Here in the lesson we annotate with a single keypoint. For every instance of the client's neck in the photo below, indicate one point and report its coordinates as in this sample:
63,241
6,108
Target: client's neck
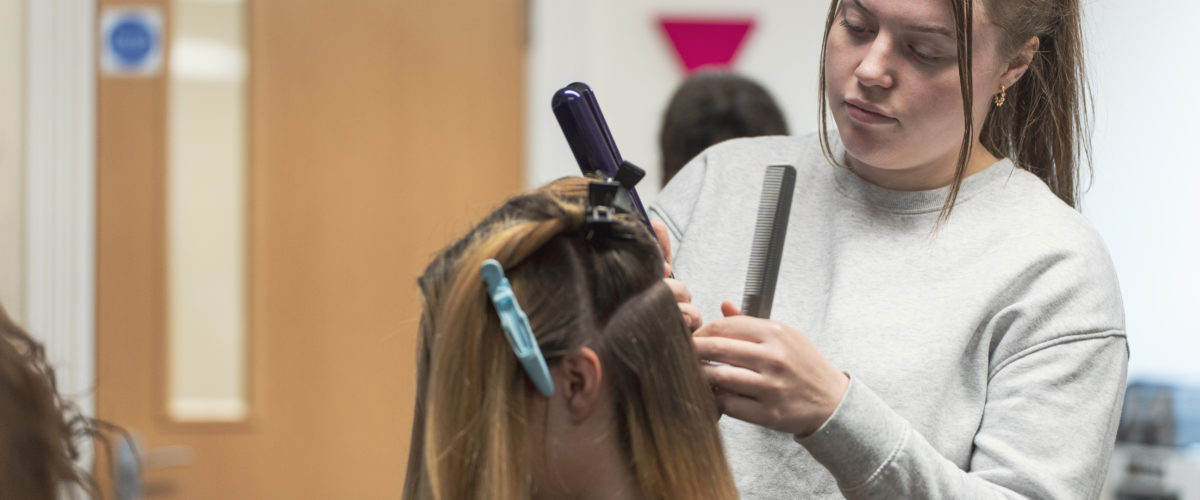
611,477
592,466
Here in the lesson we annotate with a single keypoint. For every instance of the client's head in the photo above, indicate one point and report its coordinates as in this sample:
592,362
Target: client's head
630,412
37,427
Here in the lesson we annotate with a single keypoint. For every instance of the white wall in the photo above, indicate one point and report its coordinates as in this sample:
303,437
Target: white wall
12,156
1143,201
618,48
1145,80
60,132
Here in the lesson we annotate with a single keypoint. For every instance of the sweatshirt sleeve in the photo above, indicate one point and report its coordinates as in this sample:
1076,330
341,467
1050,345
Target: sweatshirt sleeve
676,202
1055,388
1047,432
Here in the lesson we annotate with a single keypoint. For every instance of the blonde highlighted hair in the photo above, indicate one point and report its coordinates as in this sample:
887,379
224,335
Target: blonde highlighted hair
470,436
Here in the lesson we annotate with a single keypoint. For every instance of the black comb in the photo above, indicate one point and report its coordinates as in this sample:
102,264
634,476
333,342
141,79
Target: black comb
769,233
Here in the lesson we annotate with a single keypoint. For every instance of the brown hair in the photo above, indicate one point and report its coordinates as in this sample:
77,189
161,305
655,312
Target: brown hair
38,428
599,292
1043,126
710,107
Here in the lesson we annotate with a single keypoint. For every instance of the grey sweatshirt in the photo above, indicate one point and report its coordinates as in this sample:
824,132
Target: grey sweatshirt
986,359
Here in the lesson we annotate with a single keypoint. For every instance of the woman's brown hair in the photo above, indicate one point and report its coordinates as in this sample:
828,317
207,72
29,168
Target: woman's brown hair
38,428
713,106
1043,126
579,289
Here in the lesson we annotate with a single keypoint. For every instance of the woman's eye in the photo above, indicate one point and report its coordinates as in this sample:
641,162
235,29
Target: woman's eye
923,56
853,27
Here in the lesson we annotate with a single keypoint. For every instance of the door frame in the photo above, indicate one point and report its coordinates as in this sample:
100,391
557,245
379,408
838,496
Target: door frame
60,190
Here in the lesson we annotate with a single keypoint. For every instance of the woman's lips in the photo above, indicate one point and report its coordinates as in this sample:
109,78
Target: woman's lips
865,113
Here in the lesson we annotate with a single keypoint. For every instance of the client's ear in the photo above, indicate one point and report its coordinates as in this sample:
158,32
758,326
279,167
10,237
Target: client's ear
582,388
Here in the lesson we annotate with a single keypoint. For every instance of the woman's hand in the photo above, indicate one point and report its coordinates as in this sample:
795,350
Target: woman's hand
691,313
772,374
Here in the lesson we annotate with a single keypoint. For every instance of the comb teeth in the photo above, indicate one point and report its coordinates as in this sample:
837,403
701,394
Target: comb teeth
767,249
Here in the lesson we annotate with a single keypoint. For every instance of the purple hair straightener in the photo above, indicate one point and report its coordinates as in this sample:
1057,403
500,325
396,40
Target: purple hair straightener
590,140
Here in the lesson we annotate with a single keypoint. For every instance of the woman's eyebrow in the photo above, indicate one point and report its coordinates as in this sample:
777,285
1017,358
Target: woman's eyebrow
863,8
931,28
935,29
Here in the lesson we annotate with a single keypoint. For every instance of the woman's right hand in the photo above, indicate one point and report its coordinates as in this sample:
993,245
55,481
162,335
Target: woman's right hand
691,313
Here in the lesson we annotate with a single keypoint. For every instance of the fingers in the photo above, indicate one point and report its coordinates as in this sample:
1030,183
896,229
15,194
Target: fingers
691,315
735,379
733,388
664,240
679,290
739,406
728,309
747,328
740,354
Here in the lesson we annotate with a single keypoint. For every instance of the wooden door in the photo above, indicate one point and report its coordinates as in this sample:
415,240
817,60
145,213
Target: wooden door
379,130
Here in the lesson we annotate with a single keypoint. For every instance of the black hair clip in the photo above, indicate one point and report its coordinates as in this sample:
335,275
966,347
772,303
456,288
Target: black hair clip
609,197
628,175
602,206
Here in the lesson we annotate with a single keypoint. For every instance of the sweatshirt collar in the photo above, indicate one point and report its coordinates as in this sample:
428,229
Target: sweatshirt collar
856,188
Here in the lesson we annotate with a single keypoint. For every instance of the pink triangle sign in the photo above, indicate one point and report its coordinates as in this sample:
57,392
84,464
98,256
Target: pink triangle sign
709,41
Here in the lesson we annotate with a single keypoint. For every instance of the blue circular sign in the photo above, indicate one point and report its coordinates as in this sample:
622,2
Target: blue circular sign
131,41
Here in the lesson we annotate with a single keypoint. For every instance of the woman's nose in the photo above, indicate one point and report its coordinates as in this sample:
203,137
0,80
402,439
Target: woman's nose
874,70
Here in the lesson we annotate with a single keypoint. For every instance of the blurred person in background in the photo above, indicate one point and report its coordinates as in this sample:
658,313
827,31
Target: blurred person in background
39,430
713,106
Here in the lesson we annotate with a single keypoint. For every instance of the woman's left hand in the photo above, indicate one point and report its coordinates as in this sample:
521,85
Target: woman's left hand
691,313
773,376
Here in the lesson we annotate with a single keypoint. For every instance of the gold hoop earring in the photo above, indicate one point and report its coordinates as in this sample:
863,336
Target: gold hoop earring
999,98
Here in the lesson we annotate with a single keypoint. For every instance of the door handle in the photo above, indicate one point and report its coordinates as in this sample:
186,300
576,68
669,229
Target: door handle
131,462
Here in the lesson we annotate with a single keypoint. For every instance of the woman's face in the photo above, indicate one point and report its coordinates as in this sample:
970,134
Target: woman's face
892,85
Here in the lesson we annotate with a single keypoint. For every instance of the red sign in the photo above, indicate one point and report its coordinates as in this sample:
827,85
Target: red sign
708,41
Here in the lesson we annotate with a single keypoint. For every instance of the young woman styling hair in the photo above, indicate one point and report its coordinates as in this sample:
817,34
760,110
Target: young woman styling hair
946,324
628,414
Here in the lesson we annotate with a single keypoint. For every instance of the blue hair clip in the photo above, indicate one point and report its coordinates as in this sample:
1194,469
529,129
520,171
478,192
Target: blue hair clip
516,326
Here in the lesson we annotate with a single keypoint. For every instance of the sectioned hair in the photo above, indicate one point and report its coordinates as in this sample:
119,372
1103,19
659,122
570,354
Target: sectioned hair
470,431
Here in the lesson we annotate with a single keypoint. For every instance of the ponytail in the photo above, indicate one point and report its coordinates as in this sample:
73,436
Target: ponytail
1044,125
